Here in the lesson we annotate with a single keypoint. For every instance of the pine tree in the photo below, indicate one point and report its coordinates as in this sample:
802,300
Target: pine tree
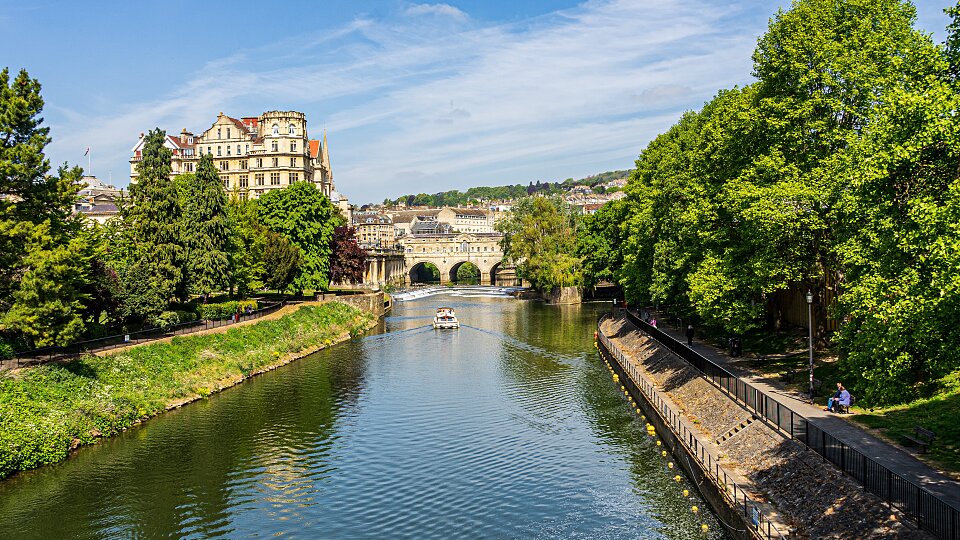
282,258
205,228
154,219
43,269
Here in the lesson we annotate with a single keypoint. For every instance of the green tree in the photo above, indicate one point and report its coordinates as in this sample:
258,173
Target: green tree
43,269
282,258
901,245
468,273
540,236
153,217
306,217
205,228
600,241
247,244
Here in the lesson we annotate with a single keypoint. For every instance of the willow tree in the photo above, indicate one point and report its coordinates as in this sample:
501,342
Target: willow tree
540,235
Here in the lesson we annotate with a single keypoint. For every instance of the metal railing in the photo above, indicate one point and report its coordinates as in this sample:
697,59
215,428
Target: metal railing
928,511
75,350
735,495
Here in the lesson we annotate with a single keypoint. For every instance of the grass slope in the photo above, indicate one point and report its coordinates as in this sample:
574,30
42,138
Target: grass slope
47,410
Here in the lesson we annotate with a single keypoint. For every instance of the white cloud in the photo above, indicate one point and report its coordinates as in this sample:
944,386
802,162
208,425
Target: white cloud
444,10
414,104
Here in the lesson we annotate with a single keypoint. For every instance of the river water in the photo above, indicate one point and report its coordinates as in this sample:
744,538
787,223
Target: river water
509,427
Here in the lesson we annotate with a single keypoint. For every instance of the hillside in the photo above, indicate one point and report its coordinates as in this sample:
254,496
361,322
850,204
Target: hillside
486,193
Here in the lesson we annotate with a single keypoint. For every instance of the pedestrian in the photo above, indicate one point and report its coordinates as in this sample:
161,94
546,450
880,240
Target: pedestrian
845,400
834,400
689,335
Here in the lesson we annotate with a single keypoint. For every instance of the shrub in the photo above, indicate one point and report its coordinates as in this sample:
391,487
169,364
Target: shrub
166,320
225,310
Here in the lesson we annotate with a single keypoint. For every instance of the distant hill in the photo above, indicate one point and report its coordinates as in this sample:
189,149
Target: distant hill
484,193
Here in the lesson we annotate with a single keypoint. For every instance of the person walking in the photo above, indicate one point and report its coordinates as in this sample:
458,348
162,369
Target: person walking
689,335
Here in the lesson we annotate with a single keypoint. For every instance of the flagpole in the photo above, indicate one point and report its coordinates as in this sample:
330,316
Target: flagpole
88,162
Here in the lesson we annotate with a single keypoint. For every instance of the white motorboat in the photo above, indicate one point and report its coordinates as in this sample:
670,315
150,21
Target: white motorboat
445,318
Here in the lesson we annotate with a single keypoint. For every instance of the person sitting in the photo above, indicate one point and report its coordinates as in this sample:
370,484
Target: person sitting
836,397
844,402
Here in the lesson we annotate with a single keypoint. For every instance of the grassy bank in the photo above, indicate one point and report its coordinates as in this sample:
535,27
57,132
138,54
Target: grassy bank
48,410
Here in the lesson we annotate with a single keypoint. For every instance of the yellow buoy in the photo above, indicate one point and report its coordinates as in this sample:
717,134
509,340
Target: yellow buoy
695,509
686,493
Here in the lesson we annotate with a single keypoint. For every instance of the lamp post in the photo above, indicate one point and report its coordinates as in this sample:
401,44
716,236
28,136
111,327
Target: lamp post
810,334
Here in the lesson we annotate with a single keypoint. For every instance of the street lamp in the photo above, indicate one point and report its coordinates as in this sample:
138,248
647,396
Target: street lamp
810,334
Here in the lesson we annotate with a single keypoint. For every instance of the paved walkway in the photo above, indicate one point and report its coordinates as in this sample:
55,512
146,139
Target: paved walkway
891,456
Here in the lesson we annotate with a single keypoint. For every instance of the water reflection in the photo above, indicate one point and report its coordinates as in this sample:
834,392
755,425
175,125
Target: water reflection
509,427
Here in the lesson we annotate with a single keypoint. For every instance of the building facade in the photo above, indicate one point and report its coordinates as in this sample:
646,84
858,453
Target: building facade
374,230
252,154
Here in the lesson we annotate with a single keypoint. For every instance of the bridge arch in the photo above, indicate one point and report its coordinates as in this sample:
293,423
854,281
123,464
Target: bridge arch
424,272
476,276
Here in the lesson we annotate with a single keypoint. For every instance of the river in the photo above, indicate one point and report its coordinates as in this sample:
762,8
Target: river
509,427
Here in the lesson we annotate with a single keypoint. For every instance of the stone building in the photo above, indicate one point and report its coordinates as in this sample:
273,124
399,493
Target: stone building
374,230
252,154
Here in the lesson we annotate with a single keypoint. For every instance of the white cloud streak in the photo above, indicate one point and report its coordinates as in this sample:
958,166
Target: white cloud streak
425,103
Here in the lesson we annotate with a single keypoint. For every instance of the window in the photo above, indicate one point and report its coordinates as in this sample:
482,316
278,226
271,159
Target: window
276,162
243,196
246,149
274,146
258,163
292,177
209,151
226,182
228,149
218,133
189,167
189,140
224,165
259,178
276,130
228,133
292,130
238,149
243,164
293,162
219,153
243,180
274,179
293,146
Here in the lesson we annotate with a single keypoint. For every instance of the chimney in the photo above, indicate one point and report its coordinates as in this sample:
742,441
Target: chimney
183,136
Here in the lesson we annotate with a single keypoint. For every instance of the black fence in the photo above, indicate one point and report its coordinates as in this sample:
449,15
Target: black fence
78,349
735,495
930,513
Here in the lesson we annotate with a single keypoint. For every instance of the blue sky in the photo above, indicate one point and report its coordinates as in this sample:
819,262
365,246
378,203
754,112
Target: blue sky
415,97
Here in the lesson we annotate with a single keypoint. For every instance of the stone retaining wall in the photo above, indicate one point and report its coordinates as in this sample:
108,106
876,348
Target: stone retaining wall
811,496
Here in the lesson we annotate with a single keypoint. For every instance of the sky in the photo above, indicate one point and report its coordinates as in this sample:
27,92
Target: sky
414,97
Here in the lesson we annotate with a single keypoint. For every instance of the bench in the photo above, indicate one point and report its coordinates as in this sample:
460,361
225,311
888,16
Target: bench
922,438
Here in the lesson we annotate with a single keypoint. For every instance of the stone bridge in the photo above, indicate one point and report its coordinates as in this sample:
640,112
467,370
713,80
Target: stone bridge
448,252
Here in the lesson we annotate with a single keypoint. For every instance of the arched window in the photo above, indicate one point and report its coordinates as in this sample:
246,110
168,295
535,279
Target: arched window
228,133
292,129
276,129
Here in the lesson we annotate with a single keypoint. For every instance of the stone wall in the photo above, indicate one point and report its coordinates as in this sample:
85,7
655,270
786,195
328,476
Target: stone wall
811,496
369,302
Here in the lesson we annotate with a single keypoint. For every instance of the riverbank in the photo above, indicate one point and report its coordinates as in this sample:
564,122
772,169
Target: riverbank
47,411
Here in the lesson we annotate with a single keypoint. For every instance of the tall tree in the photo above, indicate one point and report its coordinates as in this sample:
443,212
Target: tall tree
282,258
247,243
540,236
154,220
43,269
347,259
306,217
206,228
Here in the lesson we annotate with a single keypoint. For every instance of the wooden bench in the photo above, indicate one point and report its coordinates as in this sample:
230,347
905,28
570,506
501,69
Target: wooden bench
922,438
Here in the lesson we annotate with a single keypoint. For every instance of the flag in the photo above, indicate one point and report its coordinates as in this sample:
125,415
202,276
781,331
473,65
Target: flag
87,152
